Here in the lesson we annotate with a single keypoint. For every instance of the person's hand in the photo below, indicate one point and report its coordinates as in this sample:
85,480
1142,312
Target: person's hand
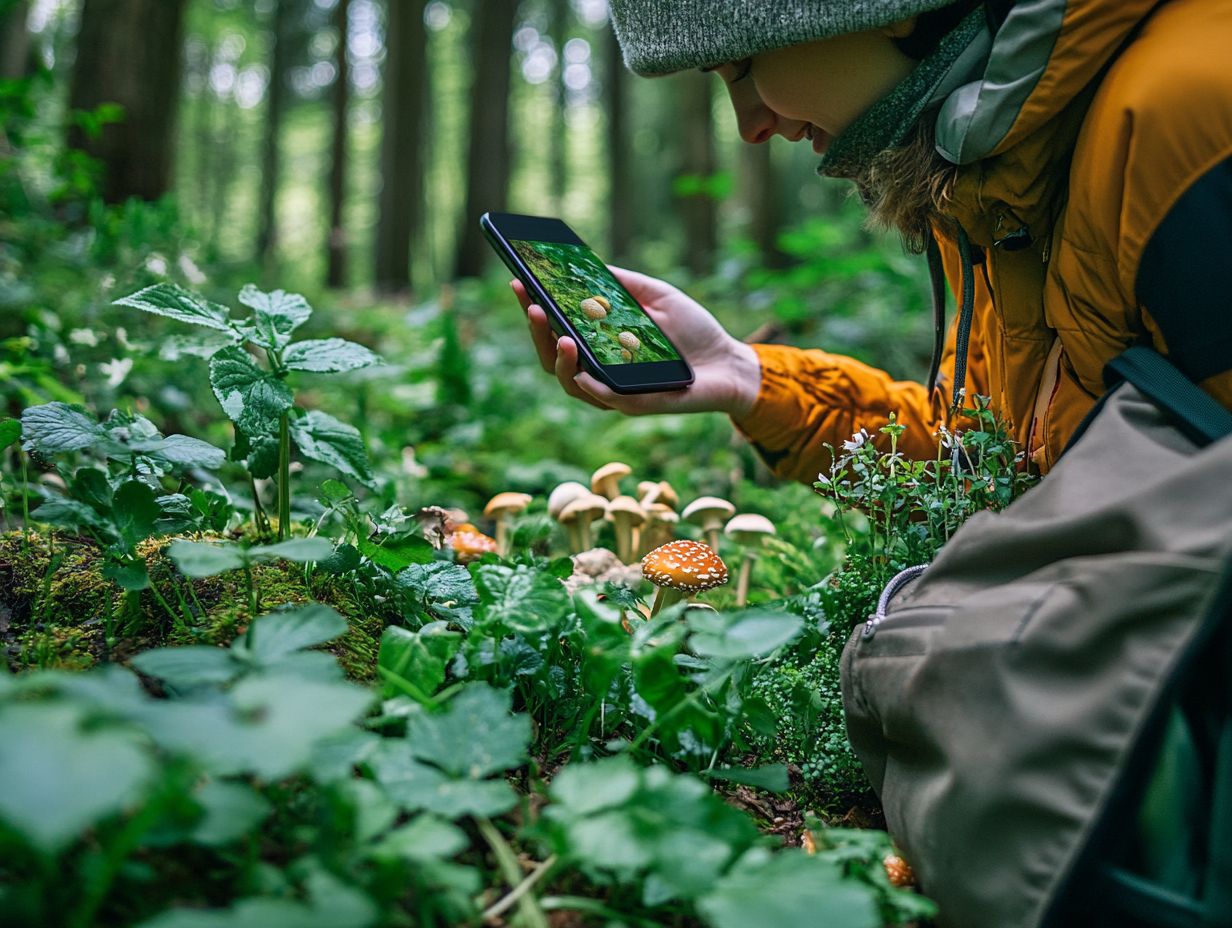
726,372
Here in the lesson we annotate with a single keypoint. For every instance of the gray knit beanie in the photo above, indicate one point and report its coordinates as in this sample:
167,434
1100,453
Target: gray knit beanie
662,36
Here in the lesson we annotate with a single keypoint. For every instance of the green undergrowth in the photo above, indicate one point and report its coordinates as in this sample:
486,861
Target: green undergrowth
60,612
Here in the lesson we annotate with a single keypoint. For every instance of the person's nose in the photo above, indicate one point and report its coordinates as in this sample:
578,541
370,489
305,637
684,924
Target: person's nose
757,123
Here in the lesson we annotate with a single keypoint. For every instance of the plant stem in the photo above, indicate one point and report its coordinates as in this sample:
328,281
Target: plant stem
666,596
258,512
507,862
284,476
502,905
594,906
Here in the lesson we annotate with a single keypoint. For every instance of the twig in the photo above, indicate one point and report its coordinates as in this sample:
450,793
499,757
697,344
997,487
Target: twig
503,904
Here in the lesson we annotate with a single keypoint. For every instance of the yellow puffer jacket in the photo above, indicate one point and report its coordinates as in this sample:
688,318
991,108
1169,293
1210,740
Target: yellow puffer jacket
1093,121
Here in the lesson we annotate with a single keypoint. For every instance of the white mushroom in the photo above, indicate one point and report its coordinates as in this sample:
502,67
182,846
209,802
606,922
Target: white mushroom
750,531
710,513
626,516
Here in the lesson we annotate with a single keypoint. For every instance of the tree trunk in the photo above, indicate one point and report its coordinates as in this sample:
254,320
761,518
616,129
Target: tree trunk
14,41
699,209
560,128
336,272
401,198
620,199
276,104
487,163
763,199
129,52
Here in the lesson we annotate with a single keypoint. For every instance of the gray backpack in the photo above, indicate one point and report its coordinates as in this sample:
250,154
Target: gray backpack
1046,710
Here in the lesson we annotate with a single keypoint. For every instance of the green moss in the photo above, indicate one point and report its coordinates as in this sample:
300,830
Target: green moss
61,608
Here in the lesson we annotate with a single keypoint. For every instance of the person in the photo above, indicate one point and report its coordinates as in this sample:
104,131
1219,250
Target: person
1066,165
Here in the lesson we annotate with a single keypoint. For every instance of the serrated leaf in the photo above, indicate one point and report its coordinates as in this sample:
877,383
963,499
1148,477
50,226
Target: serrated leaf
134,512
275,315
252,398
53,428
417,657
197,559
417,786
196,344
258,452
10,431
344,559
521,598
328,356
69,513
184,451
323,438
397,553
474,736
127,575
188,666
279,634
439,582
177,303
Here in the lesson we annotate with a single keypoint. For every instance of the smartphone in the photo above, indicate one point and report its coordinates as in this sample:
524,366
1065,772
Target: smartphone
618,343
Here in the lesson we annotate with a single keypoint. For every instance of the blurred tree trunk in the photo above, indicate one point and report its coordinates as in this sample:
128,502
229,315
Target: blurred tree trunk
14,40
487,162
400,201
336,274
560,127
620,183
275,110
129,52
698,209
764,201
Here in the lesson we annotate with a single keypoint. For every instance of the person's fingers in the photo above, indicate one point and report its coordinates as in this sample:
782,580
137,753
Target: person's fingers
520,292
542,336
643,287
567,370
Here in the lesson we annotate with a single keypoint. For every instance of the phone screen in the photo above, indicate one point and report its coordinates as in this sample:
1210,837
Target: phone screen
615,327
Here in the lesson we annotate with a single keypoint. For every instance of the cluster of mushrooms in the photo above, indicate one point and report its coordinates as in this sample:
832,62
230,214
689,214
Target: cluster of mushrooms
596,308
644,529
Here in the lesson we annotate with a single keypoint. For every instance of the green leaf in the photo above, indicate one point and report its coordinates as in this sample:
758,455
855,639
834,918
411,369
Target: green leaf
188,666
418,657
323,438
91,486
439,582
334,492
10,431
196,344
300,550
521,598
416,786
328,355
177,303
183,451
276,315
788,888
252,398
743,634
587,788
280,634
231,811
197,559
130,575
134,513
398,552
258,452
70,514
772,777
344,559
56,427
60,779
424,838
474,736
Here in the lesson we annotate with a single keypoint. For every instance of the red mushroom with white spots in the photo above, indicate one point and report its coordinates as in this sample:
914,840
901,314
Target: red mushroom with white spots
682,568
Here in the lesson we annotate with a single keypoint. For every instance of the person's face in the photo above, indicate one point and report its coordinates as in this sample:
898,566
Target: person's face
817,89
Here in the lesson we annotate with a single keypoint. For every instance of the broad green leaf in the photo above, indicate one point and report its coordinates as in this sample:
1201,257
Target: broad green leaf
521,598
188,666
398,552
416,786
204,344
323,438
417,657
300,550
474,736
91,486
439,582
197,559
788,888
334,492
184,451
587,788
231,811
68,513
252,398
772,777
60,779
56,427
177,303
335,757
328,355
130,575
275,315
425,837
10,431
258,452
279,634
175,514
344,559
135,512
744,634
371,808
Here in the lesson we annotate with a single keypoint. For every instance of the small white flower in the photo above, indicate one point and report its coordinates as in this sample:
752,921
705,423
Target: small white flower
857,441
116,370
85,337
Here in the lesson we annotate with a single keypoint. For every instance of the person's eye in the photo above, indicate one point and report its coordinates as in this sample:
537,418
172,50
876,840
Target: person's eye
744,67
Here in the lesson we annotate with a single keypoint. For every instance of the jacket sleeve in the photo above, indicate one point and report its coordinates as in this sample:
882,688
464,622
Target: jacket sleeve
809,398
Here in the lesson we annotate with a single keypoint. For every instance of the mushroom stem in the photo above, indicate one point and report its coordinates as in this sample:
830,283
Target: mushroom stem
502,535
575,538
742,582
712,535
583,526
666,596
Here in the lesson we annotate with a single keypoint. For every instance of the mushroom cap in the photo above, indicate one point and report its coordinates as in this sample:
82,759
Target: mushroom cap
602,301
661,512
628,507
707,509
667,495
590,505
644,488
626,355
506,502
612,471
563,495
468,546
629,340
593,309
748,528
684,565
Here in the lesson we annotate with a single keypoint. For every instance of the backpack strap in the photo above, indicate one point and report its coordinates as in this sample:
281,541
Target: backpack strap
1195,412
